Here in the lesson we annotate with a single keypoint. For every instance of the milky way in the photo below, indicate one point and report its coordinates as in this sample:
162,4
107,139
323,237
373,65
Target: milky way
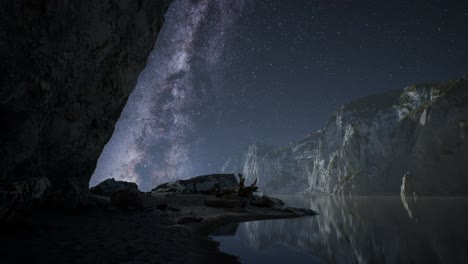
226,74
152,140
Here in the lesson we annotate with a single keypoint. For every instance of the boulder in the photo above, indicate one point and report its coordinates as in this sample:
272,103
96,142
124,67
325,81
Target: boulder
32,188
23,194
170,187
126,199
109,186
201,184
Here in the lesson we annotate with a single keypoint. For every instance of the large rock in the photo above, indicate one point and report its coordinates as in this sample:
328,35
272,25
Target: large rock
176,186
28,192
68,68
201,184
109,186
126,199
369,145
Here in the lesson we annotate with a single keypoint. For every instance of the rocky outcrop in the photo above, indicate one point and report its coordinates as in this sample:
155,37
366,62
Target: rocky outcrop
200,184
370,144
109,186
126,199
67,70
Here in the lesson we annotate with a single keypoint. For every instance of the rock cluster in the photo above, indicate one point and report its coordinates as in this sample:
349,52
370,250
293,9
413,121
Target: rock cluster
237,198
200,184
226,192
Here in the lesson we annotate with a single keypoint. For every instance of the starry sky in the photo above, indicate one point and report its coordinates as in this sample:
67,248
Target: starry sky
225,74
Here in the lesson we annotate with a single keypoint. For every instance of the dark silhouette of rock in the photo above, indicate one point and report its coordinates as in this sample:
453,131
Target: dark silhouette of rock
109,186
225,203
189,219
68,68
98,201
201,184
171,187
30,190
162,206
126,199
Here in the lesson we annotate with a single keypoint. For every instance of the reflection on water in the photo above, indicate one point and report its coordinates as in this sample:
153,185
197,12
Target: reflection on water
356,230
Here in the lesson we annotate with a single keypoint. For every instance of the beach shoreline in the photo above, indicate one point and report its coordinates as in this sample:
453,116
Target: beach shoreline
171,228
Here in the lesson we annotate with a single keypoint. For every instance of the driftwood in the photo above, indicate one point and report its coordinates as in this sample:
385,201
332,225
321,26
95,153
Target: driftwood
243,191
239,191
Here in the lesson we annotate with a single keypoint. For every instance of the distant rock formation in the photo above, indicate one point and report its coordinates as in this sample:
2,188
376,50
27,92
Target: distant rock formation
368,145
109,186
68,68
200,184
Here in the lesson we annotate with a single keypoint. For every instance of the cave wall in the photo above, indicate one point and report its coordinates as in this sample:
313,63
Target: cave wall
67,69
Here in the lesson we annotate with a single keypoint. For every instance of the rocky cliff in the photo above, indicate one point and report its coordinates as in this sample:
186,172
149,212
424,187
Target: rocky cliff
67,70
369,145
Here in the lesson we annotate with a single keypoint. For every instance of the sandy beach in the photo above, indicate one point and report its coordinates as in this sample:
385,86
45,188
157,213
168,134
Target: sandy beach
99,234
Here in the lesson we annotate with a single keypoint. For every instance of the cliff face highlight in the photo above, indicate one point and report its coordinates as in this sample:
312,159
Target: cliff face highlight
369,145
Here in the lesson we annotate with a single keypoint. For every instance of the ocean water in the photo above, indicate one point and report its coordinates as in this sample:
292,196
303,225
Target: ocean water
356,229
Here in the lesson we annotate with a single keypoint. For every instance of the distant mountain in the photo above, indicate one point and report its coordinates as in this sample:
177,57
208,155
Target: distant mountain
413,140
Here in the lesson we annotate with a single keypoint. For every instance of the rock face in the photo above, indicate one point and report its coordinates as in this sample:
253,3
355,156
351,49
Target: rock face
273,167
21,194
109,186
369,145
200,184
67,70
126,199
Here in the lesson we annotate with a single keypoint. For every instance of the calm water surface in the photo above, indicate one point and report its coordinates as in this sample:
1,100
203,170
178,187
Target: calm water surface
356,230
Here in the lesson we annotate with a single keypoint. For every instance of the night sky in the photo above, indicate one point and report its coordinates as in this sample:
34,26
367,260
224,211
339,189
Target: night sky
225,74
